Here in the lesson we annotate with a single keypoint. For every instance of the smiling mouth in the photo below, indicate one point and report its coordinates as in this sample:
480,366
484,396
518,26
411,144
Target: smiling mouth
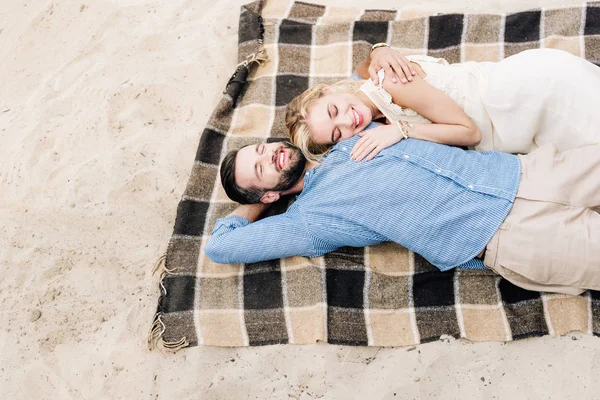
281,158
357,118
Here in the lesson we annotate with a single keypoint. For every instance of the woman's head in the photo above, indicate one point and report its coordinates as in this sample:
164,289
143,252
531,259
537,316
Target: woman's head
324,115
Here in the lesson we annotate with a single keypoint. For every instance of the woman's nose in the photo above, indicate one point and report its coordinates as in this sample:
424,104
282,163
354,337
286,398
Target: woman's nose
345,120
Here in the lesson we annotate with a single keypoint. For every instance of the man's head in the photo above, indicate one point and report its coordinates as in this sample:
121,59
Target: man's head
261,173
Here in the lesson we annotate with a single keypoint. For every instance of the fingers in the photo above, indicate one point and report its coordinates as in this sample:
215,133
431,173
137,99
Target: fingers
407,67
375,151
358,146
391,74
399,72
361,150
373,75
403,70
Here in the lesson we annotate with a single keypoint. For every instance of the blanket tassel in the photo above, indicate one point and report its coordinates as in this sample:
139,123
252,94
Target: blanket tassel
155,337
156,341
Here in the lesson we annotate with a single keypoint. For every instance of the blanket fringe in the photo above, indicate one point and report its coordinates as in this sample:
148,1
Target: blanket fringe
155,337
160,262
156,341
258,58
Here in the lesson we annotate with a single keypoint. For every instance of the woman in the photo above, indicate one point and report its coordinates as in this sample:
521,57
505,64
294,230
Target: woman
515,105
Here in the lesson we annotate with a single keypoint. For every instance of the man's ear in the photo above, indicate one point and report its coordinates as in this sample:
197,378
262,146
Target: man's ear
270,197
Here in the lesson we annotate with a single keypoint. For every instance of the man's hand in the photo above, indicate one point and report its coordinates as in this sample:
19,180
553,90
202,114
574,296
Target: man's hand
374,140
396,66
251,212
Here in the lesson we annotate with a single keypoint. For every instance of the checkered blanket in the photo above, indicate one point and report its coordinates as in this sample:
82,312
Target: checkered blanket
378,296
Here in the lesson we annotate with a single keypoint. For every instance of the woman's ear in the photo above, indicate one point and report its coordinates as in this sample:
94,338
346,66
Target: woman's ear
270,197
327,90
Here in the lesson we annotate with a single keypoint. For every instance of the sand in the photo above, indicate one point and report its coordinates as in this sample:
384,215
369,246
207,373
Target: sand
101,108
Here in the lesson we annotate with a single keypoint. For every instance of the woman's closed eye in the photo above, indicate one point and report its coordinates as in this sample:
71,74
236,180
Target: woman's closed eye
336,135
332,110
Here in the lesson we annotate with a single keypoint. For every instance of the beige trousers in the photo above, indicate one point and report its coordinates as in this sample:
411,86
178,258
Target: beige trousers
550,240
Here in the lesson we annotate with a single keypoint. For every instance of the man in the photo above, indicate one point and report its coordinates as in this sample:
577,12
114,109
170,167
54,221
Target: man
531,215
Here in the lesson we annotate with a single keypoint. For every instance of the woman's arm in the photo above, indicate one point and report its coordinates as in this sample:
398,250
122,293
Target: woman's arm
451,125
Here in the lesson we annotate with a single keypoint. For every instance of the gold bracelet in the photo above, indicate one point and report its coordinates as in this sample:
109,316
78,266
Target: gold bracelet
378,45
404,127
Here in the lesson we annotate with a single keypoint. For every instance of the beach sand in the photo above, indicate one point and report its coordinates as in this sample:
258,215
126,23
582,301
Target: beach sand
101,108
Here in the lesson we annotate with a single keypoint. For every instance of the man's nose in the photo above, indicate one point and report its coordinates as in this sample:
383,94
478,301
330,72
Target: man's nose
269,156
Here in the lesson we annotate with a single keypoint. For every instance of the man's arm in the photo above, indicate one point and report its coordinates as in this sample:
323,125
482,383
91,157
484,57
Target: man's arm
251,212
237,239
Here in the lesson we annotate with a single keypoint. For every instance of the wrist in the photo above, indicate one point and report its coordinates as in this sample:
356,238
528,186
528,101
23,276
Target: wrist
405,128
378,46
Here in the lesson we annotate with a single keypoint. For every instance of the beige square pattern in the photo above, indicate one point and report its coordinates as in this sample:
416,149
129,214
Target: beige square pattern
308,325
221,328
567,314
331,60
391,328
389,258
482,52
485,323
253,121
570,44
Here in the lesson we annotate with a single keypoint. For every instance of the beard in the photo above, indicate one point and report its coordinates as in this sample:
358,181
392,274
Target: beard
292,175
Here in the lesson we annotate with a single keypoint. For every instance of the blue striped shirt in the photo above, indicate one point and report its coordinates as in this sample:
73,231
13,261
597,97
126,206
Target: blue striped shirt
441,202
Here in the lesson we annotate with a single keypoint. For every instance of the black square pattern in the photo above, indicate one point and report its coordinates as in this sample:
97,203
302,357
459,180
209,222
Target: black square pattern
292,32
435,322
209,150
352,258
513,294
191,216
432,289
422,265
262,290
522,27
288,87
265,327
183,286
250,28
345,288
526,319
592,21
445,31
370,31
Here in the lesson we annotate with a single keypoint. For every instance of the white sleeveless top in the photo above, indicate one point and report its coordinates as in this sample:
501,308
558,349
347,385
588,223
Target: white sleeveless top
448,78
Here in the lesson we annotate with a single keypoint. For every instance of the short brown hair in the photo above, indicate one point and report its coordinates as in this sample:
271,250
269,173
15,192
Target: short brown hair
232,189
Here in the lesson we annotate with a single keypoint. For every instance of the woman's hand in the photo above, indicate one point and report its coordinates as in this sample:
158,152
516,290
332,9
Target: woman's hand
374,140
395,65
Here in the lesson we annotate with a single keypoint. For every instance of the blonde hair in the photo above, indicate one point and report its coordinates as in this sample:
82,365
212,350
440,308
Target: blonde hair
297,111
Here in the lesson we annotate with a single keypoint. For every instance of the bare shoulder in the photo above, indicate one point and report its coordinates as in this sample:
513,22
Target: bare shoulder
400,90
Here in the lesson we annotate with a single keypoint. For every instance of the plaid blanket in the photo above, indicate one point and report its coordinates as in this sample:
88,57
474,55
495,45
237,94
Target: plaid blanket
378,296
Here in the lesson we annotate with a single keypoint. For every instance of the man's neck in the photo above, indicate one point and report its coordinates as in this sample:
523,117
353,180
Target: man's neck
299,186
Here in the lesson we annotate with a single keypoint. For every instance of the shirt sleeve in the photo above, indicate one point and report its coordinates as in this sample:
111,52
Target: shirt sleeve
474,263
236,240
